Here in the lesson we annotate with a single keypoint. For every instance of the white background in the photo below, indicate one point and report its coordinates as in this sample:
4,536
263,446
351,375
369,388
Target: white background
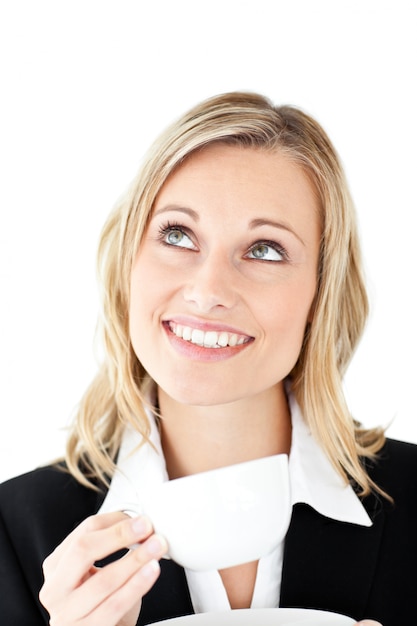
85,87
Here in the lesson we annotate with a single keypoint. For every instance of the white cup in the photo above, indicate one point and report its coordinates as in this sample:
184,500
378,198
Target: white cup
223,517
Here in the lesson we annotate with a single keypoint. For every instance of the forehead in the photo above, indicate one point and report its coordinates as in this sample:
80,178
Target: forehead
222,176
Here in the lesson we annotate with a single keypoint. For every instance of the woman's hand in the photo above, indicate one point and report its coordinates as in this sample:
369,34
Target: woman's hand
77,592
368,622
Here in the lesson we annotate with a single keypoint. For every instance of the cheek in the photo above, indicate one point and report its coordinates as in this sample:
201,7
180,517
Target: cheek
140,323
140,303
289,314
144,285
150,292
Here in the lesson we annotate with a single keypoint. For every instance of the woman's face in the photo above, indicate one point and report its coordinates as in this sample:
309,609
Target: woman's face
224,281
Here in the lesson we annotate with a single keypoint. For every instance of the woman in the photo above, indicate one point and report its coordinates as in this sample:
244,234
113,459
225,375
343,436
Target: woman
233,300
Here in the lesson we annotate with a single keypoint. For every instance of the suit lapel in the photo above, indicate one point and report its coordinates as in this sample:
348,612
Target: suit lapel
329,564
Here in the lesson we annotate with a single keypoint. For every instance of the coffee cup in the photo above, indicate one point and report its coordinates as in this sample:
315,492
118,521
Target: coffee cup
223,517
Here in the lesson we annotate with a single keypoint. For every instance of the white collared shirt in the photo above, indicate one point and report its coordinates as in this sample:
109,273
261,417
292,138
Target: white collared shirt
313,481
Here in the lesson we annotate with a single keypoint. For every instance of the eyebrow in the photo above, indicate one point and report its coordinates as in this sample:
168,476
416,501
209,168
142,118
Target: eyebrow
180,209
255,223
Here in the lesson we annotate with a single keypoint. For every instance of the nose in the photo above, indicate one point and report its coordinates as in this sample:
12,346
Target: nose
211,284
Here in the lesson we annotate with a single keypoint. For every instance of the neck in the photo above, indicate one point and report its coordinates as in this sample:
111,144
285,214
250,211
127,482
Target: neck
199,438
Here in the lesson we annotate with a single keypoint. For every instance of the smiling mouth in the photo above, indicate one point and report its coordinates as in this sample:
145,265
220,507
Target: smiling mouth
208,339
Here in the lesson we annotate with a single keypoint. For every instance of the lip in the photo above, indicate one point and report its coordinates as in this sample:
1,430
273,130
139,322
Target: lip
201,353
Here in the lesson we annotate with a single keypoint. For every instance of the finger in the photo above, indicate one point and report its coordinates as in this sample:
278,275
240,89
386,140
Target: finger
368,622
141,563
117,605
94,539
97,540
99,521
138,585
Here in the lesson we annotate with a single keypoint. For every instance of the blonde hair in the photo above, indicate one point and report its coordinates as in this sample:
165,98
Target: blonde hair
117,395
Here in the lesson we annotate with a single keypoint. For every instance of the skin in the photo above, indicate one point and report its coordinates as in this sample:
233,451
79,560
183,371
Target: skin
75,592
232,248
220,209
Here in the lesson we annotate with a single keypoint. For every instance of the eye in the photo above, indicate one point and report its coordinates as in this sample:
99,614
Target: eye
174,235
267,251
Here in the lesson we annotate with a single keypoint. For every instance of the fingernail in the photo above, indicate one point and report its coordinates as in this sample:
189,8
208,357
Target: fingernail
156,545
150,569
141,525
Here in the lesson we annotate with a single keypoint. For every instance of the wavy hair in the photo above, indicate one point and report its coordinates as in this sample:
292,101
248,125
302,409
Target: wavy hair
118,394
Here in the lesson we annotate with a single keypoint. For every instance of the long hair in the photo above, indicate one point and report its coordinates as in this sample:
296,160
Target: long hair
118,394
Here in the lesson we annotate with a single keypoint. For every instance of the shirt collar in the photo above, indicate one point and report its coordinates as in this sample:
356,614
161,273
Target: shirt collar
314,481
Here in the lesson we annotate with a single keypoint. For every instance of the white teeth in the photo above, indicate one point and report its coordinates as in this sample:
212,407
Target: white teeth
223,339
197,337
186,333
209,339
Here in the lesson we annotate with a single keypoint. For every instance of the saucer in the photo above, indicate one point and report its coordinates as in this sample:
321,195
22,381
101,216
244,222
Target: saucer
262,617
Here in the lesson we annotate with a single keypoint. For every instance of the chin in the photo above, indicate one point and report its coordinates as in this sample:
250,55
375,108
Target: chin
196,395
201,399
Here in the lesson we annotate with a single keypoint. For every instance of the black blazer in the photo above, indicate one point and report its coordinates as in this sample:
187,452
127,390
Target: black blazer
358,571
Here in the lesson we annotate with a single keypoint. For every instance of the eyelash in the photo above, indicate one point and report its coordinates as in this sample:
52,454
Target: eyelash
169,227
271,244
